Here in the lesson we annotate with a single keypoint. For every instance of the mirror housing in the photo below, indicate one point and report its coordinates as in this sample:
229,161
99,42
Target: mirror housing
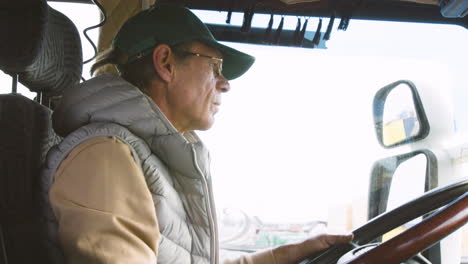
399,116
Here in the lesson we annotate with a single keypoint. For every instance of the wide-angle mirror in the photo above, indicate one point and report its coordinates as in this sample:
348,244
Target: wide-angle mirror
399,116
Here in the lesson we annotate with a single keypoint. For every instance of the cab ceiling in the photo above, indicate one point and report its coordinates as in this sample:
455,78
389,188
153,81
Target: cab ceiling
390,10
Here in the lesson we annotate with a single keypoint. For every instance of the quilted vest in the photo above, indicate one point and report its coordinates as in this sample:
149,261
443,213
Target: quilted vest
176,166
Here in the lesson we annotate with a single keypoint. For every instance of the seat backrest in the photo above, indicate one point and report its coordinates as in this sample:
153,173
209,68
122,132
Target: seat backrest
25,215
49,62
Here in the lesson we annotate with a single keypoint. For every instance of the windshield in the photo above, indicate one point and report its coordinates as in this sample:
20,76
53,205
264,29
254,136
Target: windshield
294,144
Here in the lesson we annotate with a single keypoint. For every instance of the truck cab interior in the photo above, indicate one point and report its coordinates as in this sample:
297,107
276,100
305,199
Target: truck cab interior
354,118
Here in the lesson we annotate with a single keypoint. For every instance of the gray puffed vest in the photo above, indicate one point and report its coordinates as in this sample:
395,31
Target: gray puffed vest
176,166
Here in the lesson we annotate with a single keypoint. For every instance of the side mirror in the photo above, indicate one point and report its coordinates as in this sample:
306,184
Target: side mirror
399,115
399,179
391,176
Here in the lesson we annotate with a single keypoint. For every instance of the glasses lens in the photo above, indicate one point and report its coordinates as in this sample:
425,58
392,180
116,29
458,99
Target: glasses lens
217,64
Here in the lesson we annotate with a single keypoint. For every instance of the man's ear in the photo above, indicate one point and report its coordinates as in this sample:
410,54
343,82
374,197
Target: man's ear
163,62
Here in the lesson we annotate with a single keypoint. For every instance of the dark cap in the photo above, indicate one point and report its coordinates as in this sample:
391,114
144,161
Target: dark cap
172,25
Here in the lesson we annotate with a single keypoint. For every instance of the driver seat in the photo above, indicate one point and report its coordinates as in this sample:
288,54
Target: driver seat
41,48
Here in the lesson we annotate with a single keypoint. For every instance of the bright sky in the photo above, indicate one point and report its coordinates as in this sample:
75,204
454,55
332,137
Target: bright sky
295,137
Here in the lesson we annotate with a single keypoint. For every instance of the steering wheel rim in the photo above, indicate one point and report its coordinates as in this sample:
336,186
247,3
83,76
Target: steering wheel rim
383,223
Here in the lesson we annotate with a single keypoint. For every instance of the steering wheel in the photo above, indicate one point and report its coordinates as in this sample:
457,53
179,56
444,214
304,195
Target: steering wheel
413,240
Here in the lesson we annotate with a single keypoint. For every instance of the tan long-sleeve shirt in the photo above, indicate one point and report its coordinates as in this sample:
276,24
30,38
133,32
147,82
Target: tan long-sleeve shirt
105,209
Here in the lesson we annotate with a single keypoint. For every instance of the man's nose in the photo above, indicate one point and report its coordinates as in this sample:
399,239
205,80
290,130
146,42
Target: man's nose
223,85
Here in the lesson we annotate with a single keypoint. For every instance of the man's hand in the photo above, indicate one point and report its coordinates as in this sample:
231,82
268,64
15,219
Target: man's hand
296,252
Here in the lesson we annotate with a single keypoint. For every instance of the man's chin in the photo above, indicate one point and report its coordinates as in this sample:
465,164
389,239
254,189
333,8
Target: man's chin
206,125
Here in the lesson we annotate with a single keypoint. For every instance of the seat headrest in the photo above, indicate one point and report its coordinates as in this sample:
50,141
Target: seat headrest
58,61
22,26
59,64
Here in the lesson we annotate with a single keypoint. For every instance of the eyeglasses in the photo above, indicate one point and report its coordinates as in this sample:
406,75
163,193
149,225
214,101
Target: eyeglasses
217,65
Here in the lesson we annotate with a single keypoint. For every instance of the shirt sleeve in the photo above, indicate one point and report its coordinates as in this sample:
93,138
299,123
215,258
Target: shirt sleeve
103,206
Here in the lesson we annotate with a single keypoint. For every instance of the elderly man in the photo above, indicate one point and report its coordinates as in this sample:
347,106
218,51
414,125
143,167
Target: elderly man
132,181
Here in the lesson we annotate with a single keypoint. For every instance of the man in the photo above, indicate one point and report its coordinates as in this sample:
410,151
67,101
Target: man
132,181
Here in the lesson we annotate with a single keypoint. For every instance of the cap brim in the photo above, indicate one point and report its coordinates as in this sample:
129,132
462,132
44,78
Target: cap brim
235,63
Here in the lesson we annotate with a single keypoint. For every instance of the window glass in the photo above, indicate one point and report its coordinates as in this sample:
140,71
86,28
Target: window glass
294,142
